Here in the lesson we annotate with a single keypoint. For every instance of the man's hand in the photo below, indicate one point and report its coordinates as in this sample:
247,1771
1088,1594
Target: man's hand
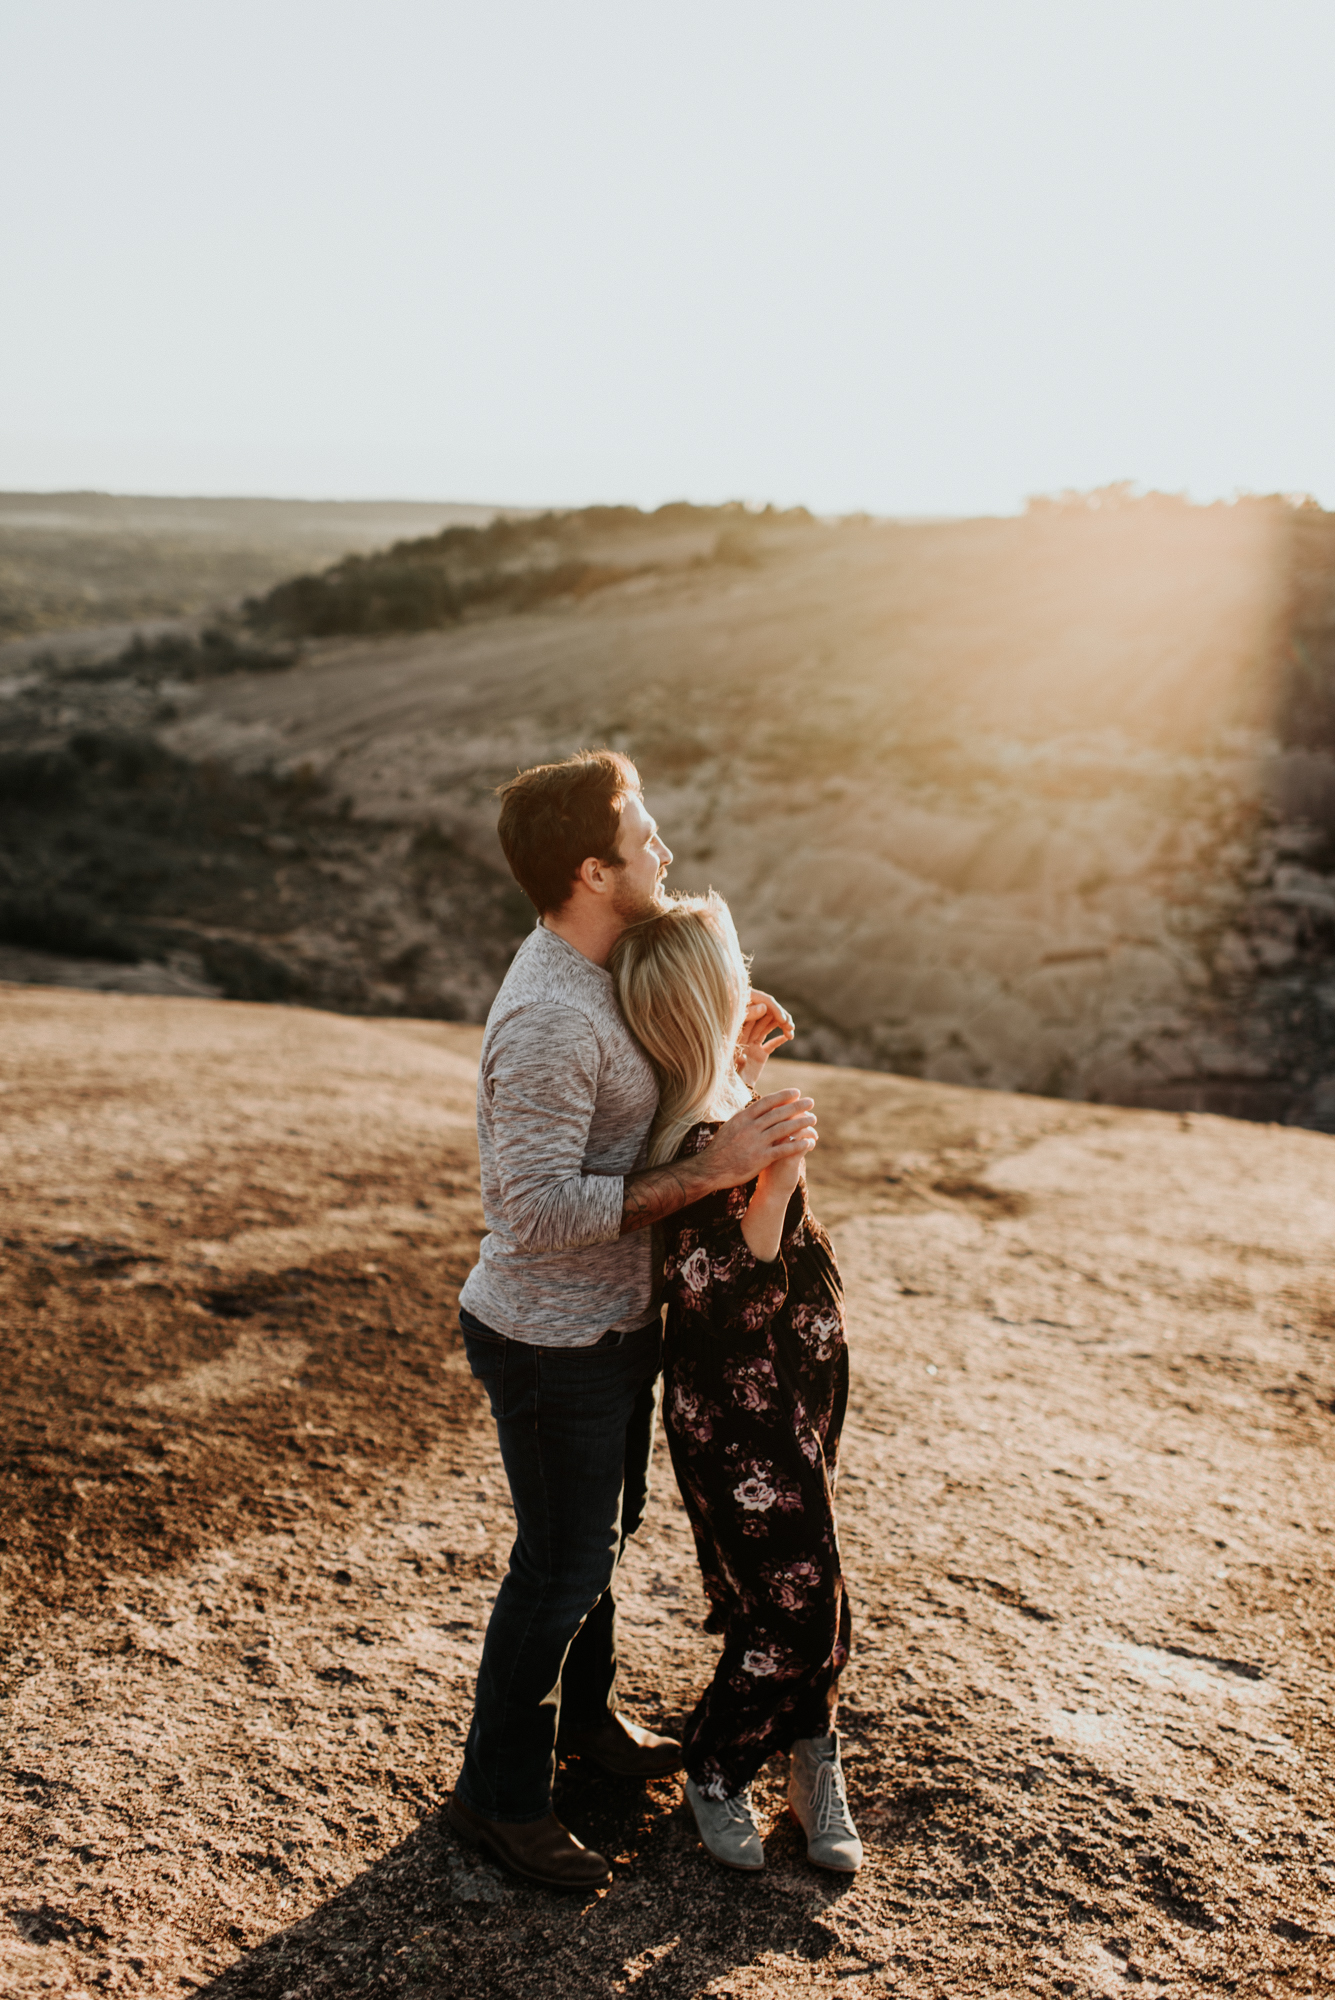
779,1127
762,1225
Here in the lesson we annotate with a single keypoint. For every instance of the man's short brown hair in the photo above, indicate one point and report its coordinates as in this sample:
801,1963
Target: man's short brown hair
558,816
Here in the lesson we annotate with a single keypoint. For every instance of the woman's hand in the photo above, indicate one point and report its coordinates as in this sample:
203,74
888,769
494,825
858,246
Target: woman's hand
762,1225
784,1175
766,1026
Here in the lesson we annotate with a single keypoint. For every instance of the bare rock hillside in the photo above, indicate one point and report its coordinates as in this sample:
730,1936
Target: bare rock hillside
253,1519
1044,804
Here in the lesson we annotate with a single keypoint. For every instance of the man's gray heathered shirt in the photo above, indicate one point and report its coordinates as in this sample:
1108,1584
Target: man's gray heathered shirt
565,1099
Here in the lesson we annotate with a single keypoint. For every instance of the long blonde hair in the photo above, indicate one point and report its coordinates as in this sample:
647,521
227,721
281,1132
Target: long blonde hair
683,984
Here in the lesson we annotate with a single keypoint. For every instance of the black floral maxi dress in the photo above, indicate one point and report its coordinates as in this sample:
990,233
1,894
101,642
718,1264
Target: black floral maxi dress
755,1389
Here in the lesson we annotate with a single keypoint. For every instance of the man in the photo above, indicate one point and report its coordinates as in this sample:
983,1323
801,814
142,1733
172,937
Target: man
559,1314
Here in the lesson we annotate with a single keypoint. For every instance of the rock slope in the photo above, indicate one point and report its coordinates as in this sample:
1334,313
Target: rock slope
254,1518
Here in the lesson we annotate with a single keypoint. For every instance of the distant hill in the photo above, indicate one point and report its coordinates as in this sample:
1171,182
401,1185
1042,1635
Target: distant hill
80,559
1044,804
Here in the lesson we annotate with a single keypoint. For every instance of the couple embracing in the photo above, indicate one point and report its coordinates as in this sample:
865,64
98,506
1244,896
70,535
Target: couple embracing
617,1091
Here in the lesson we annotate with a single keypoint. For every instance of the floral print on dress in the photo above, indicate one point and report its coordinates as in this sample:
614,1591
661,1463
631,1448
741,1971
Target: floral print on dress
756,1372
755,1494
791,1584
759,1664
762,1489
691,1415
695,1271
754,1385
821,1328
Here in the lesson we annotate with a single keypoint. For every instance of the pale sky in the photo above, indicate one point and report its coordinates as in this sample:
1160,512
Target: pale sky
914,256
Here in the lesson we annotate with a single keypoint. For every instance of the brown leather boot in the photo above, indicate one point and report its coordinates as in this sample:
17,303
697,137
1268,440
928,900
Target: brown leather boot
540,1850
622,1749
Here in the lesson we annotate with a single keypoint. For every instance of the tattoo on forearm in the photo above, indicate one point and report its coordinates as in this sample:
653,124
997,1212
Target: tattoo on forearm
652,1193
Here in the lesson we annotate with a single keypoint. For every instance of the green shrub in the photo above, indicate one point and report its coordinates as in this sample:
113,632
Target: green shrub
52,921
420,585
214,653
127,759
180,656
246,973
363,595
37,777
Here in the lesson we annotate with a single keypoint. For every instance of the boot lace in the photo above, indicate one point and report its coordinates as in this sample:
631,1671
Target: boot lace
830,1803
737,1808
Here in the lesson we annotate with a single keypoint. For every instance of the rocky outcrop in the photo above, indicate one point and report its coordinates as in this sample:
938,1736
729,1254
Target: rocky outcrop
252,1520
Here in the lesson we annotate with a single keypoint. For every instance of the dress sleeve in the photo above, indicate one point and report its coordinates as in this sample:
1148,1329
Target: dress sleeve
709,1273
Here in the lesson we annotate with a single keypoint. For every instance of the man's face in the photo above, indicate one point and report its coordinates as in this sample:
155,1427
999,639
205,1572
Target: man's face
646,861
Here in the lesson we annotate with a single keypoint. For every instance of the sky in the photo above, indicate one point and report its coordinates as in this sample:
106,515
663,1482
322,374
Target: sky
909,256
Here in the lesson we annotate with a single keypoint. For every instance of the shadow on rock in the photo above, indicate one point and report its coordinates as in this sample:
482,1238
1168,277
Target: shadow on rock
435,1917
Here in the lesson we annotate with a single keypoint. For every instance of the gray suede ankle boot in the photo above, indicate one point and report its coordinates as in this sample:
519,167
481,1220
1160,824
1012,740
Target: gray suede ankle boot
728,1828
819,1804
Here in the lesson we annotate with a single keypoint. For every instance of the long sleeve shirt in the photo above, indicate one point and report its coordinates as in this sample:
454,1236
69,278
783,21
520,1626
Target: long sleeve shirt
565,1100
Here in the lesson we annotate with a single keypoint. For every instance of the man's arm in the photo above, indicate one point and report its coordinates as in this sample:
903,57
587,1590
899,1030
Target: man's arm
760,1134
541,1083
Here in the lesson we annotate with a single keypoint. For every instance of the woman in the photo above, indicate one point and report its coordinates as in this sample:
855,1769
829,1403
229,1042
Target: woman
756,1381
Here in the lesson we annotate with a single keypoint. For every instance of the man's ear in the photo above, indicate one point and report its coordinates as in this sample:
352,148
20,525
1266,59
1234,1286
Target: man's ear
594,875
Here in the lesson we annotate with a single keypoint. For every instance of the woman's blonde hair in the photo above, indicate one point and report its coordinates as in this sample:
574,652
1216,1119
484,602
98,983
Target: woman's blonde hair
683,984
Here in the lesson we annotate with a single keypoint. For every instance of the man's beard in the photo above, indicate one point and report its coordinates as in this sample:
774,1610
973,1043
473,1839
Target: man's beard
633,905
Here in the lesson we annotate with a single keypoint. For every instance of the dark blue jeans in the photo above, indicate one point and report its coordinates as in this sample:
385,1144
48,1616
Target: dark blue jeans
576,1427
